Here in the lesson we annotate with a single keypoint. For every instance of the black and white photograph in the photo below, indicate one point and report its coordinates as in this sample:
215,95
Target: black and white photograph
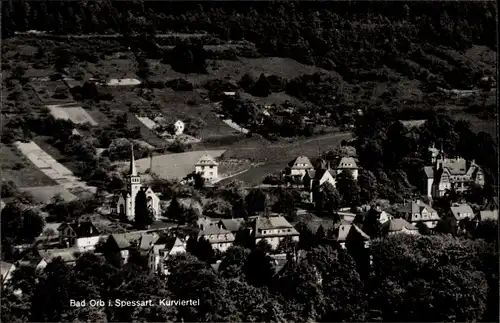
249,161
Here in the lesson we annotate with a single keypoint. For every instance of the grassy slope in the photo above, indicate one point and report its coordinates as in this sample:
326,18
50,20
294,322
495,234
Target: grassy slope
27,176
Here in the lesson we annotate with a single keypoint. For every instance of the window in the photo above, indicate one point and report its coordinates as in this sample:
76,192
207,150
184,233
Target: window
211,166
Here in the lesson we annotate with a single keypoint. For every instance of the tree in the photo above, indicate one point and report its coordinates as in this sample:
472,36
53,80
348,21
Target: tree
232,263
204,251
218,208
306,236
256,201
409,272
341,285
258,268
262,87
143,215
368,184
328,201
174,210
20,223
348,188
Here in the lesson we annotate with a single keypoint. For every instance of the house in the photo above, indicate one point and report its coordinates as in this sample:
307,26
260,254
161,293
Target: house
348,164
300,166
82,235
125,205
450,173
350,233
418,212
179,127
7,269
232,225
487,215
461,211
220,238
120,245
41,258
162,250
207,167
273,230
314,179
396,226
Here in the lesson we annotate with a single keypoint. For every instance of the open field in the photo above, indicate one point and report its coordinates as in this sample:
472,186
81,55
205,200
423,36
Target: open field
174,166
52,168
77,115
17,168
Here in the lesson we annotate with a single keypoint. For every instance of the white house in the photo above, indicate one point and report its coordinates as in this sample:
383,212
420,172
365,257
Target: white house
300,166
314,179
125,205
418,212
83,236
179,127
462,212
161,252
273,230
207,167
348,164
220,238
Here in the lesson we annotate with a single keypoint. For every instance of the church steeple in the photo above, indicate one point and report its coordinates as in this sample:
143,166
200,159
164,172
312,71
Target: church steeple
133,169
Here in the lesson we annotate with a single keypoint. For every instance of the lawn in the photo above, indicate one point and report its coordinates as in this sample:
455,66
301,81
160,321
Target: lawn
15,167
175,166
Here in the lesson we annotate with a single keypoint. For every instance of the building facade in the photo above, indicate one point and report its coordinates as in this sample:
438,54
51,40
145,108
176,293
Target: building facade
125,205
447,174
207,167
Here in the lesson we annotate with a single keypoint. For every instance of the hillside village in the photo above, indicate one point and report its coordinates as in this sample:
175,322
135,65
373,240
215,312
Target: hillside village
198,155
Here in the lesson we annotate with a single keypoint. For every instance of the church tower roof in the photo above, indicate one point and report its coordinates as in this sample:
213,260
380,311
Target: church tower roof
133,169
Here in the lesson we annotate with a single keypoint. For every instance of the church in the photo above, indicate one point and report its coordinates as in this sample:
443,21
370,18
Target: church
125,206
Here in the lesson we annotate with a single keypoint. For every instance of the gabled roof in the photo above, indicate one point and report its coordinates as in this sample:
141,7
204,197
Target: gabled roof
140,239
232,224
456,166
207,160
348,230
275,222
311,173
414,207
322,172
213,230
396,225
347,163
302,160
457,210
67,254
83,229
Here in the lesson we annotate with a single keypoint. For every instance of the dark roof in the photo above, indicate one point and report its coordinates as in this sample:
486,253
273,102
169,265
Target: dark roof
84,229
232,224
396,225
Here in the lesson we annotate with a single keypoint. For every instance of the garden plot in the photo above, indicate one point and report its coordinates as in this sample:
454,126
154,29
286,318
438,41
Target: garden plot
75,114
235,126
150,124
52,168
123,82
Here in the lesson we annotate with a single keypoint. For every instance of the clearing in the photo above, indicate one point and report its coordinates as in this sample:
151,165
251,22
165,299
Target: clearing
53,168
172,166
77,115
17,168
